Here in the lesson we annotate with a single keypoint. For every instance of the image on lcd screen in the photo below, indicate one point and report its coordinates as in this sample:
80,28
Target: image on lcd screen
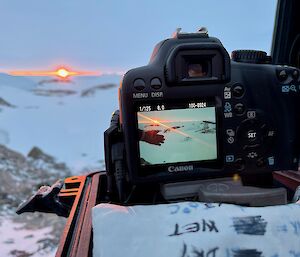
177,135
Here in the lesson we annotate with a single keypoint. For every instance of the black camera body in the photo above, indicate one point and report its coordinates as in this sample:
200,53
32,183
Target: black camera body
193,113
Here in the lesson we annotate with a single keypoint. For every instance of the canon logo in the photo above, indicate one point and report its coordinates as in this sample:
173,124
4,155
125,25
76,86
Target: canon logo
180,168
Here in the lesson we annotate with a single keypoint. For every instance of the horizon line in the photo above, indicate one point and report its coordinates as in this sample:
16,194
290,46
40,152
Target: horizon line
40,73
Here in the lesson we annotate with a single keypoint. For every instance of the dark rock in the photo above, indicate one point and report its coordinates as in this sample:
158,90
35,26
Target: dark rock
5,103
18,253
53,92
91,91
37,153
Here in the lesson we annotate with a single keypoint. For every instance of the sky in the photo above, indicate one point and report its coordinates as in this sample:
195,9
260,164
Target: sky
115,36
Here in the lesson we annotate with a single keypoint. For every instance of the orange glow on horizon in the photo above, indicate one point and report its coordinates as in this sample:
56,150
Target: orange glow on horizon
62,73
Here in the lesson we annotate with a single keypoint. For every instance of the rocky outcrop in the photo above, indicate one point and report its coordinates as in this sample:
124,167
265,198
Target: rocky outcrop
5,103
20,177
53,92
91,91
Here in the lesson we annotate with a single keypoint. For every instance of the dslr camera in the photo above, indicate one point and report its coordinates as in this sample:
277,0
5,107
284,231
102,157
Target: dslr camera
194,114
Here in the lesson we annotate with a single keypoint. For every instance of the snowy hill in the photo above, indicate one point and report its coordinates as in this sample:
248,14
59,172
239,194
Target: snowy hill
64,119
41,115
24,83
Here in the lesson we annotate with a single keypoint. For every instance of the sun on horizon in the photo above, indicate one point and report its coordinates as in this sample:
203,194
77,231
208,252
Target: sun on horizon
61,72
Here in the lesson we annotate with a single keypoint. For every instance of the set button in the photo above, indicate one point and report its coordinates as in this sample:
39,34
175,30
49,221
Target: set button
253,134
250,133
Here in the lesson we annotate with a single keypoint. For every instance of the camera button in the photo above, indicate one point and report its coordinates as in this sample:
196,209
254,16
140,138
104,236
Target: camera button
261,163
295,74
282,75
251,135
238,91
155,83
239,164
139,84
239,109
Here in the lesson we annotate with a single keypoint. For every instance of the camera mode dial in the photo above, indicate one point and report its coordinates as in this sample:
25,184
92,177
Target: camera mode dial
250,56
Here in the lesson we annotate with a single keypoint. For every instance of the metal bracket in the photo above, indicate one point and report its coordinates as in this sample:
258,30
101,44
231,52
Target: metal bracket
58,198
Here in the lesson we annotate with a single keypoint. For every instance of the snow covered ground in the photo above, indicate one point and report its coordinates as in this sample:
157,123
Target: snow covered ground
28,241
66,120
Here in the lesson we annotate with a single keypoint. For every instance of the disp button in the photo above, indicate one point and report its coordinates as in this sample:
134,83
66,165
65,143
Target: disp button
156,83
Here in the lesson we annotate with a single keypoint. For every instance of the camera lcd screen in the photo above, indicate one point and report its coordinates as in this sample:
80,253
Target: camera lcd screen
177,133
